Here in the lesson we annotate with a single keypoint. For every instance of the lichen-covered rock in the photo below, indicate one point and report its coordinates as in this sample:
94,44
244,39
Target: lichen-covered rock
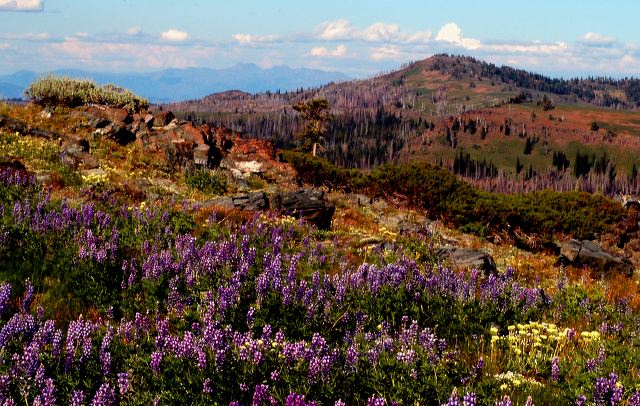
589,253
469,258
308,204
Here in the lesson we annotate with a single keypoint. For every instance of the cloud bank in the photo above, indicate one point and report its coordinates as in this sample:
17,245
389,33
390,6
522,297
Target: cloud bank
21,5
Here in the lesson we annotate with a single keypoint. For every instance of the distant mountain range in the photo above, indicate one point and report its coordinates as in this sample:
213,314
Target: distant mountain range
186,84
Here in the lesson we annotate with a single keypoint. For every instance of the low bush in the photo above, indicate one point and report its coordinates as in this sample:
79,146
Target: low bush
54,90
205,181
444,196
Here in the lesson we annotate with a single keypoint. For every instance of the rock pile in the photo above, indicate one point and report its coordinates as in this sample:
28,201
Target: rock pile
310,205
182,143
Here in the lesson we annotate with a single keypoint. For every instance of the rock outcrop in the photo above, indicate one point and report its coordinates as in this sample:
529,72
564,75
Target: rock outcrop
308,204
588,253
469,258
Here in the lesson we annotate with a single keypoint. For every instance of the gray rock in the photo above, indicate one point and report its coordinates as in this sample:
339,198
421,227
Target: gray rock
588,253
99,122
75,147
226,202
469,258
251,201
308,204
119,134
201,155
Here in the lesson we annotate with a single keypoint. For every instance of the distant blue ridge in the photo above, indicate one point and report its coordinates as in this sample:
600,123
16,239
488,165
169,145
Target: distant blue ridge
171,85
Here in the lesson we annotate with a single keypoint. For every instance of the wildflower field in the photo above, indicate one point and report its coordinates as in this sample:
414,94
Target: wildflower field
104,301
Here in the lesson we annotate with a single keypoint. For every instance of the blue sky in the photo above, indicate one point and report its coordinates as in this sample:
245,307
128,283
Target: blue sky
360,38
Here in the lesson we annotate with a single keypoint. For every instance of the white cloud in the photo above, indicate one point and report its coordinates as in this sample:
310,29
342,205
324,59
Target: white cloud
5,46
381,32
385,52
21,5
377,32
247,39
596,40
339,52
336,30
452,34
532,48
134,31
125,55
27,36
174,35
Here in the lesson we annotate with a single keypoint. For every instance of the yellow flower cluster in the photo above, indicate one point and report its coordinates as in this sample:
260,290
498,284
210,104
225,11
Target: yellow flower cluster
534,344
17,146
513,379
387,233
590,336
94,179
279,220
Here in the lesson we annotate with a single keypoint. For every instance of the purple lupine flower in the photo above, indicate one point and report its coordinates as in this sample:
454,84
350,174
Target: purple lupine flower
261,394
529,401
104,396
49,393
454,399
206,386
28,296
634,400
555,369
124,383
581,401
469,399
293,399
608,390
505,401
352,357
156,358
104,354
374,401
5,296
339,402
275,376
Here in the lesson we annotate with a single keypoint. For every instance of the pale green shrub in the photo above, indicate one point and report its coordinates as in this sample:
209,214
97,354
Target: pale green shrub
57,90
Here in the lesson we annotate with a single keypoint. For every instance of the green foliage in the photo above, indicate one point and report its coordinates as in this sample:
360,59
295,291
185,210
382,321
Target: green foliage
205,181
54,90
315,113
444,196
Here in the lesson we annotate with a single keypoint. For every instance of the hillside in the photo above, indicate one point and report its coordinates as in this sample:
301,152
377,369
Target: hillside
446,107
145,259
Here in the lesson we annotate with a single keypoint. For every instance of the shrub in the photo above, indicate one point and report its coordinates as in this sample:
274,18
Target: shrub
54,90
442,195
205,181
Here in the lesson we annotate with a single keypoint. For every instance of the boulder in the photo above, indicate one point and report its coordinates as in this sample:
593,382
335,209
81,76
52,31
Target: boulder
118,115
253,156
76,152
148,120
254,201
75,147
469,258
99,122
589,253
251,201
201,155
308,204
163,119
118,133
